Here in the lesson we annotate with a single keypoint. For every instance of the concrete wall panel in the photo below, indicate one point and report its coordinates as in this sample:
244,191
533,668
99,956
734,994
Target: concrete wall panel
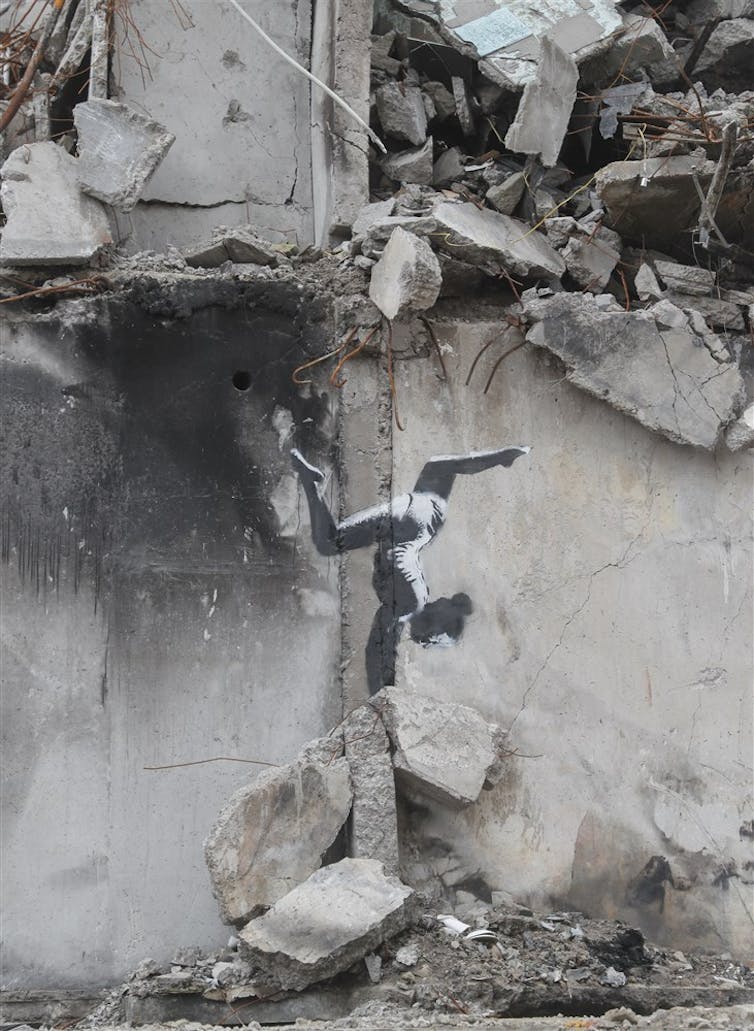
610,573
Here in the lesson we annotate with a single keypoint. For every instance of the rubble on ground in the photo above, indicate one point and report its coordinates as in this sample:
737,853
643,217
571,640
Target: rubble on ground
506,961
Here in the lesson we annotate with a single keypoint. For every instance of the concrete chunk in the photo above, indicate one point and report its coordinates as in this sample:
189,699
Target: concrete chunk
652,201
373,827
686,279
590,261
545,106
272,834
119,151
666,378
740,434
401,112
407,277
336,917
506,195
487,237
410,166
50,221
646,284
446,751
240,245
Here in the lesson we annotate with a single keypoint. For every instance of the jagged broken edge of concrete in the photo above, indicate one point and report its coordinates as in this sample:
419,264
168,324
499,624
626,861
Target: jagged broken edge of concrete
305,922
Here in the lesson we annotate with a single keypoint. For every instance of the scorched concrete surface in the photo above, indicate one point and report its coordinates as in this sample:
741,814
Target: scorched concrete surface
161,604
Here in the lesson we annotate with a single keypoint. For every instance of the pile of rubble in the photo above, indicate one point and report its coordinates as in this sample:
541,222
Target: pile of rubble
589,166
305,916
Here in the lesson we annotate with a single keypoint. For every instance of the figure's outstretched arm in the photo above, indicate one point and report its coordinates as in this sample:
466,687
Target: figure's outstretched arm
330,538
440,471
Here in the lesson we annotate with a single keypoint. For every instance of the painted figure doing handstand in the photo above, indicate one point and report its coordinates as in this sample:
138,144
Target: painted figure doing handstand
400,529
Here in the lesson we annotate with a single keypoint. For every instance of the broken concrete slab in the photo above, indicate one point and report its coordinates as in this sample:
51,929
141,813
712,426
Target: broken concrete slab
740,434
666,379
49,220
545,107
729,50
686,279
407,277
240,244
445,751
506,196
463,104
508,38
373,826
370,214
590,261
271,835
653,201
119,150
400,109
499,241
641,44
336,917
410,166
718,313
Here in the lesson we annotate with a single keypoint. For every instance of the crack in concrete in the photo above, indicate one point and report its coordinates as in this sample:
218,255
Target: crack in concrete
619,563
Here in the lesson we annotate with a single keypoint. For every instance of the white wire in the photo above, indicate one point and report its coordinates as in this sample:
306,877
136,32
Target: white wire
313,78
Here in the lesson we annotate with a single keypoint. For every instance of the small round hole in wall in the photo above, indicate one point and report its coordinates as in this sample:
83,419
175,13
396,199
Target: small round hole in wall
241,379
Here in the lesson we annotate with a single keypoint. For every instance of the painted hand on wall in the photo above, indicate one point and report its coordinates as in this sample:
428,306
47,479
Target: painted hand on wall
400,529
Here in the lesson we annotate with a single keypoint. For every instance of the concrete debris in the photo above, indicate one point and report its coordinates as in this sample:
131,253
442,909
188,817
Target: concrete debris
370,214
740,434
448,168
407,277
653,201
505,197
373,963
546,104
729,50
590,259
647,286
485,237
373,826
443,750
119,150
240,244
411,166
311,934
463,104
686,279
271,835
408,956
401,112
665,378
49,220
641,44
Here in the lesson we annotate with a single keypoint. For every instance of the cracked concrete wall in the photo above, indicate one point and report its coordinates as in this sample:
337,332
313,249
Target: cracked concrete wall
611,577
162,603
240,114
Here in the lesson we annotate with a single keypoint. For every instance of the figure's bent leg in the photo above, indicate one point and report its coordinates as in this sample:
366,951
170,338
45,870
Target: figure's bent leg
324,530
357,531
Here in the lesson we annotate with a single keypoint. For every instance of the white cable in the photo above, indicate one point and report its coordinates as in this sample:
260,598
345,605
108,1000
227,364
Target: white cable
299,67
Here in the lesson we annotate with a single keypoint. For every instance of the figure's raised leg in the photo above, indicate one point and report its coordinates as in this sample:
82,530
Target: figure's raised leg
440,471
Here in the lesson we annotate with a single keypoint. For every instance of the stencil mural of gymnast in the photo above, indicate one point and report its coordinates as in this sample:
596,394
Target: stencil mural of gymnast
400,529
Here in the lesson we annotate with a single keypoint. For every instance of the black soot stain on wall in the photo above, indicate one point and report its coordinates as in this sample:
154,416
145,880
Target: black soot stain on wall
139,442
